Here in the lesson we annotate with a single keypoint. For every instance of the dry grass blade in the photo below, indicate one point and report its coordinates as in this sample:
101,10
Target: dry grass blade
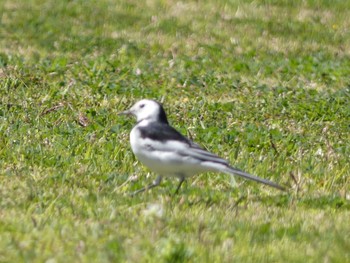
54,108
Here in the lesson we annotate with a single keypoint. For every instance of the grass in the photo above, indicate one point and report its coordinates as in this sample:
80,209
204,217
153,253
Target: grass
264,84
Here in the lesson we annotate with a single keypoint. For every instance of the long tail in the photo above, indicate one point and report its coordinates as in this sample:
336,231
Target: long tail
234,171
226,168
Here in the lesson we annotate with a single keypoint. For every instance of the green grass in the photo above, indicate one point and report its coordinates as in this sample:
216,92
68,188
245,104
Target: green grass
264,84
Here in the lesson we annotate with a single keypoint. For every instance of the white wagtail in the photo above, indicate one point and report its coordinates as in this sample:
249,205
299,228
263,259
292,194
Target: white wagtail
168,153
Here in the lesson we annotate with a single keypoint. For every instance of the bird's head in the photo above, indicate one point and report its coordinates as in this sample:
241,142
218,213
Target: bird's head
147,110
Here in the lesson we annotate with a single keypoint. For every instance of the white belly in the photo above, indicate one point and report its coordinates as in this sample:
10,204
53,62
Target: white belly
162,161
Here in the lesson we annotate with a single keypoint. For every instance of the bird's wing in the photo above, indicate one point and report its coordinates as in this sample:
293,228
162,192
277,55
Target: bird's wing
171,140
203,155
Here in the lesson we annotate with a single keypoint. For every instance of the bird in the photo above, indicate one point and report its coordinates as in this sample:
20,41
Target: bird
167,152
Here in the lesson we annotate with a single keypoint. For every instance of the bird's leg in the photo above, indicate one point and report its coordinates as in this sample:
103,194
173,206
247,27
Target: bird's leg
182,179
150,186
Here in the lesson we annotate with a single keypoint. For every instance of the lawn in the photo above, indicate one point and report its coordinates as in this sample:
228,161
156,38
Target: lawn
264,83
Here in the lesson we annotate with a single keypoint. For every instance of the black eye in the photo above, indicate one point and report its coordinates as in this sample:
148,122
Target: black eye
142,105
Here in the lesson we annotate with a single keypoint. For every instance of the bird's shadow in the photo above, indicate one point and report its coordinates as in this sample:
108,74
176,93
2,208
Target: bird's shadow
235,197
227,197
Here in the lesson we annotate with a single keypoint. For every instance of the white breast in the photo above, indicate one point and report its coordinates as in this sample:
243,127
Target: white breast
160,158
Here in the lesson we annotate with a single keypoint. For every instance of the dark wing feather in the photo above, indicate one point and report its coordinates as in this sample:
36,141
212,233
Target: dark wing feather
163,132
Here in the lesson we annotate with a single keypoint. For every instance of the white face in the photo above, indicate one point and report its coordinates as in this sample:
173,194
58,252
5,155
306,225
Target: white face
145,109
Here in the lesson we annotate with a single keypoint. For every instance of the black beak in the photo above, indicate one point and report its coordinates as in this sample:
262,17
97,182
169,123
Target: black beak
126,112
